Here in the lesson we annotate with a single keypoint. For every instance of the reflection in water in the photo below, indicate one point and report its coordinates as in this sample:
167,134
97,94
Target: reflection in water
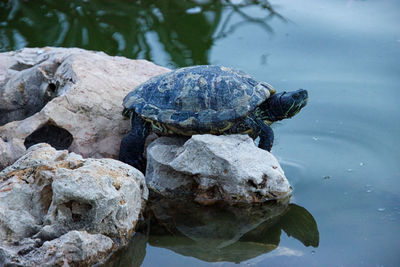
224,233
237,9
131,255
183,30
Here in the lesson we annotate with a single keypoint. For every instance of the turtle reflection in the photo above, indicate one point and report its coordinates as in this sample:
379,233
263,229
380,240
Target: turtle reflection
229,233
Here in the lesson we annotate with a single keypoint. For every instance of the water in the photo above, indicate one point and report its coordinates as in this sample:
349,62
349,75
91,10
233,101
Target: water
341,153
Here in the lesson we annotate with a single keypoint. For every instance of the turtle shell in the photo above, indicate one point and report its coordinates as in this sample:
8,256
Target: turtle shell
199,98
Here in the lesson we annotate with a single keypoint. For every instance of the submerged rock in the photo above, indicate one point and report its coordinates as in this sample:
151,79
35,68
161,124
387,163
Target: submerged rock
211,168
46,194
67,97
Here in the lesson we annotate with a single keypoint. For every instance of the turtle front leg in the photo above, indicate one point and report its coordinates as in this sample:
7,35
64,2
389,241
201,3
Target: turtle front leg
132,144
266,135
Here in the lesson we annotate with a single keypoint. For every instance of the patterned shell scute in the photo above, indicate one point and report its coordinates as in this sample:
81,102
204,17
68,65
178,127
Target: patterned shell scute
198,97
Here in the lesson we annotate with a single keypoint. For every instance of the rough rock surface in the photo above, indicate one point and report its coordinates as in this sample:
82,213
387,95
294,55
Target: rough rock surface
75,247
210,168
48,193
68,97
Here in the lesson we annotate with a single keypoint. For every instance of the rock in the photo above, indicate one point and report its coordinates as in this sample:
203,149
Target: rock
211,168
48,193
68,97
77,248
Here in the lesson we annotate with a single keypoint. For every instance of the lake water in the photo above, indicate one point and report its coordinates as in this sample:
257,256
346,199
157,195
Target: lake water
341,153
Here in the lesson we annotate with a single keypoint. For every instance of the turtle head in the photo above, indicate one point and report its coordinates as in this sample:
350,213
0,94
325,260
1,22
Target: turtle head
284,105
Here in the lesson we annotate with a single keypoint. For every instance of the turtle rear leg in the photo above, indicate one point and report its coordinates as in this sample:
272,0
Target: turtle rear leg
132,144
266,136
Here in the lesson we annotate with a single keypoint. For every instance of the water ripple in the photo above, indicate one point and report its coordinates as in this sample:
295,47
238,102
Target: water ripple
349,144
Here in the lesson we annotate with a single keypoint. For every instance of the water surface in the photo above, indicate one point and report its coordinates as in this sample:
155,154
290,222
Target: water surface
341,153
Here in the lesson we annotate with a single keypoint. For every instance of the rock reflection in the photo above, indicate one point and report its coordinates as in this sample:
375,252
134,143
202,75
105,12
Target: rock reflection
181,31
229,233
131,255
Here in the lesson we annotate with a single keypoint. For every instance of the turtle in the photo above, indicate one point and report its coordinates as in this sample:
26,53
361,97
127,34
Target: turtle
204,99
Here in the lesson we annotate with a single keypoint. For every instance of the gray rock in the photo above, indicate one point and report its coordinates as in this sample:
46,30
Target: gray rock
68,97
48,193
76,248
210,168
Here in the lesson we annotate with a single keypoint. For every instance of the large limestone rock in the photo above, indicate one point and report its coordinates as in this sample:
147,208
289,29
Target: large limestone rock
210,168
68,97
46,194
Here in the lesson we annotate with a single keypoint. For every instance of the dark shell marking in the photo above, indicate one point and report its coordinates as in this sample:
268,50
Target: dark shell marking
198,99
